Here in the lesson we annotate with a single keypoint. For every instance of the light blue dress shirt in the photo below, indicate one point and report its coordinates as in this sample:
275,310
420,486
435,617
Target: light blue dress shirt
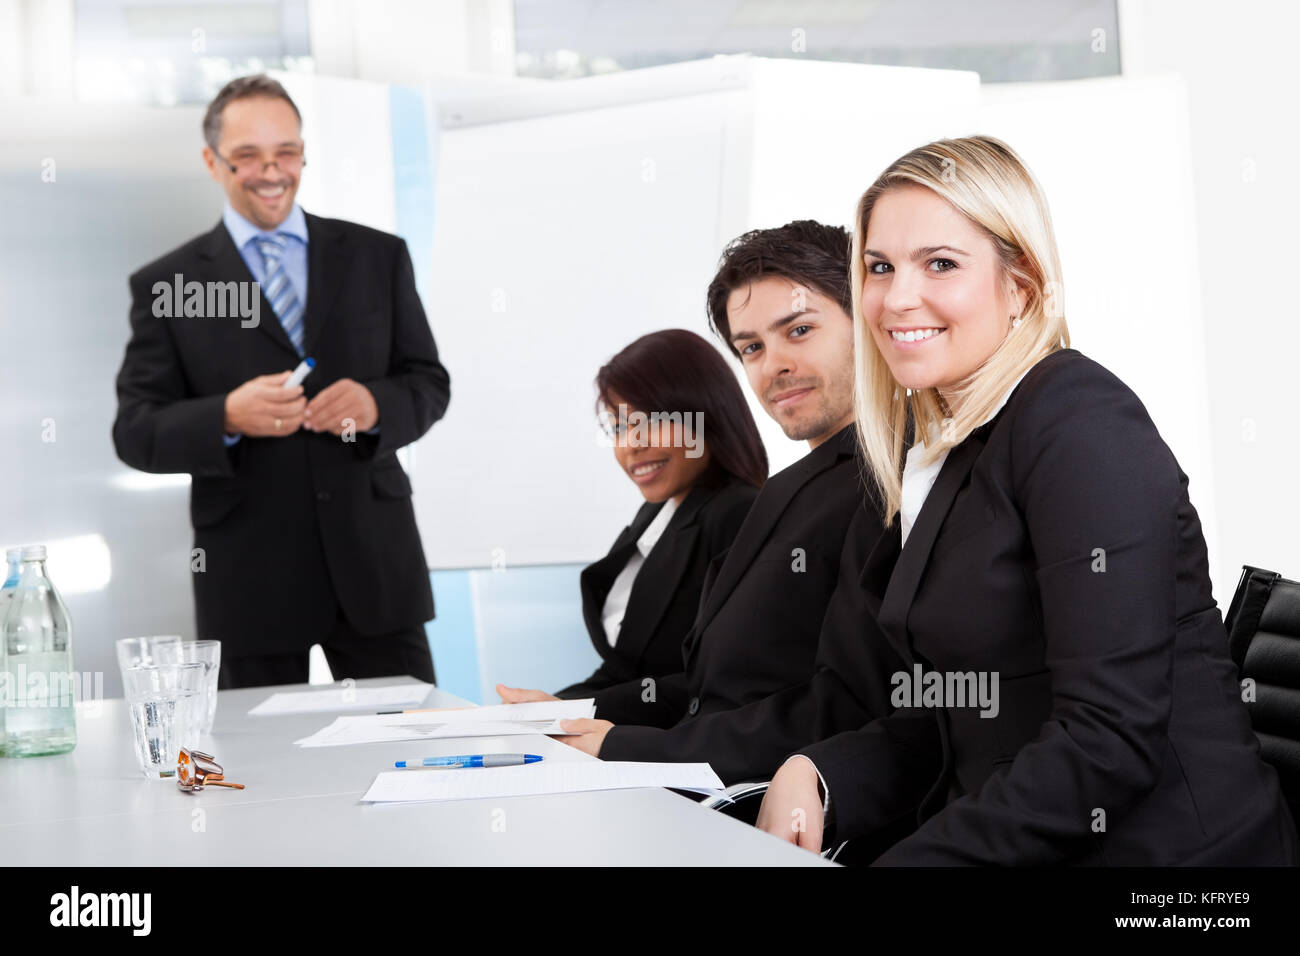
294,259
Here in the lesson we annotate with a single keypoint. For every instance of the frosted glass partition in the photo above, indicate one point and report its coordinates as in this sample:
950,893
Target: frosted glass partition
127,185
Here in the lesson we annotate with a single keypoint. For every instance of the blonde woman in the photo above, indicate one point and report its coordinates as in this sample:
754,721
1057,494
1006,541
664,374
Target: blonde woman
1069,697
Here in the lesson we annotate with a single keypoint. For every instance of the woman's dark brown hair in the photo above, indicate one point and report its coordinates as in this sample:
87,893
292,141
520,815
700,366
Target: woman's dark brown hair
678,371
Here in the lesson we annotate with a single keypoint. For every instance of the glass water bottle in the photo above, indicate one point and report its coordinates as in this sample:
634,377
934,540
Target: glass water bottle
37,632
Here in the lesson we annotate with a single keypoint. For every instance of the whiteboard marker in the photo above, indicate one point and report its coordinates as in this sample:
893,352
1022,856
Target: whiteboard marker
302,371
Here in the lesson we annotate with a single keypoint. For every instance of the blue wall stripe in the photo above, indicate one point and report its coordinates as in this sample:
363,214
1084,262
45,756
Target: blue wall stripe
415,154
451,635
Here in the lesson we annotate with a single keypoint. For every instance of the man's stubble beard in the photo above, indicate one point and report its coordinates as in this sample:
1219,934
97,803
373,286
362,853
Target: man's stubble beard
836,404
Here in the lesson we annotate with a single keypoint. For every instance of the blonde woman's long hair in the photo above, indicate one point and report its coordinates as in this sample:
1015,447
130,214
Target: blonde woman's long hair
986,181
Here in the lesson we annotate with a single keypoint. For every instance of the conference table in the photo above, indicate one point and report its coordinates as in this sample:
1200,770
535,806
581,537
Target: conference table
302,806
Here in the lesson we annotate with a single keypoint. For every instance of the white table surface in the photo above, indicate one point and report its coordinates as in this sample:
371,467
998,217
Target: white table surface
303,806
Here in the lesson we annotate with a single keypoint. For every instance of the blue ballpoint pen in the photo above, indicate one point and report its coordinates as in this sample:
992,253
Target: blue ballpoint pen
475,760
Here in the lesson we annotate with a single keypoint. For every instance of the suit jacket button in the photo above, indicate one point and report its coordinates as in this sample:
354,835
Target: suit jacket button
694,707
322,496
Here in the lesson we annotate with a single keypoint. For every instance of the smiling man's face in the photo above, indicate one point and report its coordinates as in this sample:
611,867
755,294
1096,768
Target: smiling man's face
257,131
797,349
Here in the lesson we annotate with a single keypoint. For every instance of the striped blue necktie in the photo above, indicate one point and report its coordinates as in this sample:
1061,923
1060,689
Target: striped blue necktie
279,291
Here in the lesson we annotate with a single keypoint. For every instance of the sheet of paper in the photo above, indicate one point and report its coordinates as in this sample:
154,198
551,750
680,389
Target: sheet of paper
485,728
497,720
342,698
558,776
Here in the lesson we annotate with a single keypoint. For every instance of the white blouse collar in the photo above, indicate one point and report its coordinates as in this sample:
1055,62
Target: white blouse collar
918,480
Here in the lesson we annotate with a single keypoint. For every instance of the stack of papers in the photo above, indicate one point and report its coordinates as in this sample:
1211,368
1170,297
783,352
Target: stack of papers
342,698
406,786
499,720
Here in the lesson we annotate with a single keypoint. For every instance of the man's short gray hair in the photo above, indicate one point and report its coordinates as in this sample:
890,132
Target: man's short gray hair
242,88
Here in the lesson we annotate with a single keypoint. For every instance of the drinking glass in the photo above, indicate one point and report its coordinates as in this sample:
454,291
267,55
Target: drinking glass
142,651
162,699
207,653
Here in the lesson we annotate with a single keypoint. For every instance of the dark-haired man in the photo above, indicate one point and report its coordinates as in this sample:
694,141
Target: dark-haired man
303,527
747,696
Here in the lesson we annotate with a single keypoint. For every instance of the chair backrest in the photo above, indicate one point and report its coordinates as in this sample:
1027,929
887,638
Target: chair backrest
1263,625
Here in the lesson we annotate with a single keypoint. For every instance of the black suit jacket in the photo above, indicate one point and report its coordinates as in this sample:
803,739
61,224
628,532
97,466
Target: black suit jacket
848,687
666,592
757,629
291,528
1058,549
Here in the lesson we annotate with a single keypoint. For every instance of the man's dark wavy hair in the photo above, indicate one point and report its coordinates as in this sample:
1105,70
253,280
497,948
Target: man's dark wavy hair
806,252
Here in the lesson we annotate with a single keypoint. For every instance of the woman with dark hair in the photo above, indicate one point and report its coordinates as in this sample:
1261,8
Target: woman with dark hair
684,435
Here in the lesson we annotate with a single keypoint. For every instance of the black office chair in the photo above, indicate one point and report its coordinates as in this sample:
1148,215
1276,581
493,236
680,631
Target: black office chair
1263,625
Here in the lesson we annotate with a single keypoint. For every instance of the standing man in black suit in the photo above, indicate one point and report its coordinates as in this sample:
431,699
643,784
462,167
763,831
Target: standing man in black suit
303,527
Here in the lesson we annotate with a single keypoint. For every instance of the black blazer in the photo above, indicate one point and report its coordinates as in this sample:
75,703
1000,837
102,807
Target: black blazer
666,592
1058,550
848,686
759,620
291,528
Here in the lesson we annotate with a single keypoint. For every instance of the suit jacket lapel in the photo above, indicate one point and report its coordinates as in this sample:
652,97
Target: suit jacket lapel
913,558
225,264
763,518
597,579
326,267
896,571
666,564
880,566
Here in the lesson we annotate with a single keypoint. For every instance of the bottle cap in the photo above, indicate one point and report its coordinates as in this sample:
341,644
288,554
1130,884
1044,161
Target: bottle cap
14,555
33,552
